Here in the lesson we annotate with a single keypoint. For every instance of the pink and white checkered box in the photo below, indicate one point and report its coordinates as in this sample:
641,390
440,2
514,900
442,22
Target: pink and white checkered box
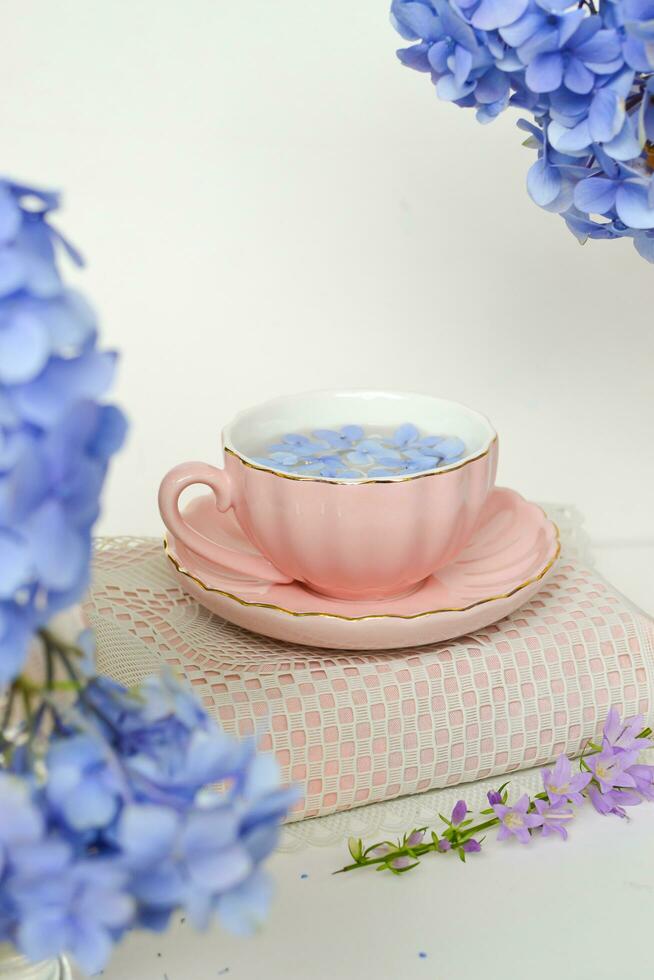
355,728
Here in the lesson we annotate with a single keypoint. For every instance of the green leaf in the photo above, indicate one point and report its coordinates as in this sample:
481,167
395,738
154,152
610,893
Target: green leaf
355,847
381,843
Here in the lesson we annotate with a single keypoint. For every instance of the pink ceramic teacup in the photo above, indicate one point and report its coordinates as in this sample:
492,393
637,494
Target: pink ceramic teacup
346,538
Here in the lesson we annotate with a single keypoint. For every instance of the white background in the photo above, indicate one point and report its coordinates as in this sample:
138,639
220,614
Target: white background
269,202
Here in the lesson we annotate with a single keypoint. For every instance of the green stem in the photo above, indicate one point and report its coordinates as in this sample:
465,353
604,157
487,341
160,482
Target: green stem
53,642
420,849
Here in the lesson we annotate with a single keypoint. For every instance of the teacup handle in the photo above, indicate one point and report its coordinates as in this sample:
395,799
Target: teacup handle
172,486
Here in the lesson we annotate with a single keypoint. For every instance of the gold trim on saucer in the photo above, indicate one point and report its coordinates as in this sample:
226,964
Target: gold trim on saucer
355,619
359,483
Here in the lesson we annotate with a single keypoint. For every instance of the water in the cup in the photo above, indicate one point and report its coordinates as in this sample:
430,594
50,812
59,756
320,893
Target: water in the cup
357,451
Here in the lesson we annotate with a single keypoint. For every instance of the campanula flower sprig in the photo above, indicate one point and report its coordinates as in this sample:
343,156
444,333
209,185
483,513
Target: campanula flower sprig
609,776
584,73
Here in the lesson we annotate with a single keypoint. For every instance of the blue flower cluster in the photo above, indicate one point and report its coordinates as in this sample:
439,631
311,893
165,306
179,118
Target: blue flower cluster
349,453
117,828
55,437
585,76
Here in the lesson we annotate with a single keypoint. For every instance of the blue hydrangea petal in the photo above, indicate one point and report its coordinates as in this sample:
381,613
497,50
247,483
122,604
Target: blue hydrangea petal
89,806
632,206
450,447
545,72
58,551
15,563
544,40
285,458
543,182
577,77
426,461
14,445
37,253
372,446
10,215
24,348
212,830
405,434
147,832
644,245
358,458
626,145
9,417
491,14
635,54
48,200
110,432
604,46
80,493
24,488
397,20
15,631
568,108
296,439
419,19
449,90
438,56
595,195
606,115
91,946
574,23
555,6
12,271
522,29
47,399
40,934
243,909
70,321
40,858
325,458
392,460
352,432
456,28
415,57
328,435
492,86
568,139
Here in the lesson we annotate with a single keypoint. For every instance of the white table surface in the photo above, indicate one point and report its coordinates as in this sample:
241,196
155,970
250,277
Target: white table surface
577,911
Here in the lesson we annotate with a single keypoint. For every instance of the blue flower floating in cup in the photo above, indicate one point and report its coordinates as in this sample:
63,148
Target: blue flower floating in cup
351,452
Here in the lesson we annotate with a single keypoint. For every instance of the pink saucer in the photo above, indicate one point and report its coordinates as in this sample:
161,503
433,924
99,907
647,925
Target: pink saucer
506,562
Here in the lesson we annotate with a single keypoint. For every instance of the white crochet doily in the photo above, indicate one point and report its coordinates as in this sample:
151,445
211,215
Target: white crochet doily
129,659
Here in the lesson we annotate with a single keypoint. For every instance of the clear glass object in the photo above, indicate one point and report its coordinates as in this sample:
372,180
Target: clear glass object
13,966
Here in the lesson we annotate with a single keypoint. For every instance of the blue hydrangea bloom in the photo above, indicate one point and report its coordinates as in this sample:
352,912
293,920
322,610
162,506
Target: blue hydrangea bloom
118,827
56,436
585,77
